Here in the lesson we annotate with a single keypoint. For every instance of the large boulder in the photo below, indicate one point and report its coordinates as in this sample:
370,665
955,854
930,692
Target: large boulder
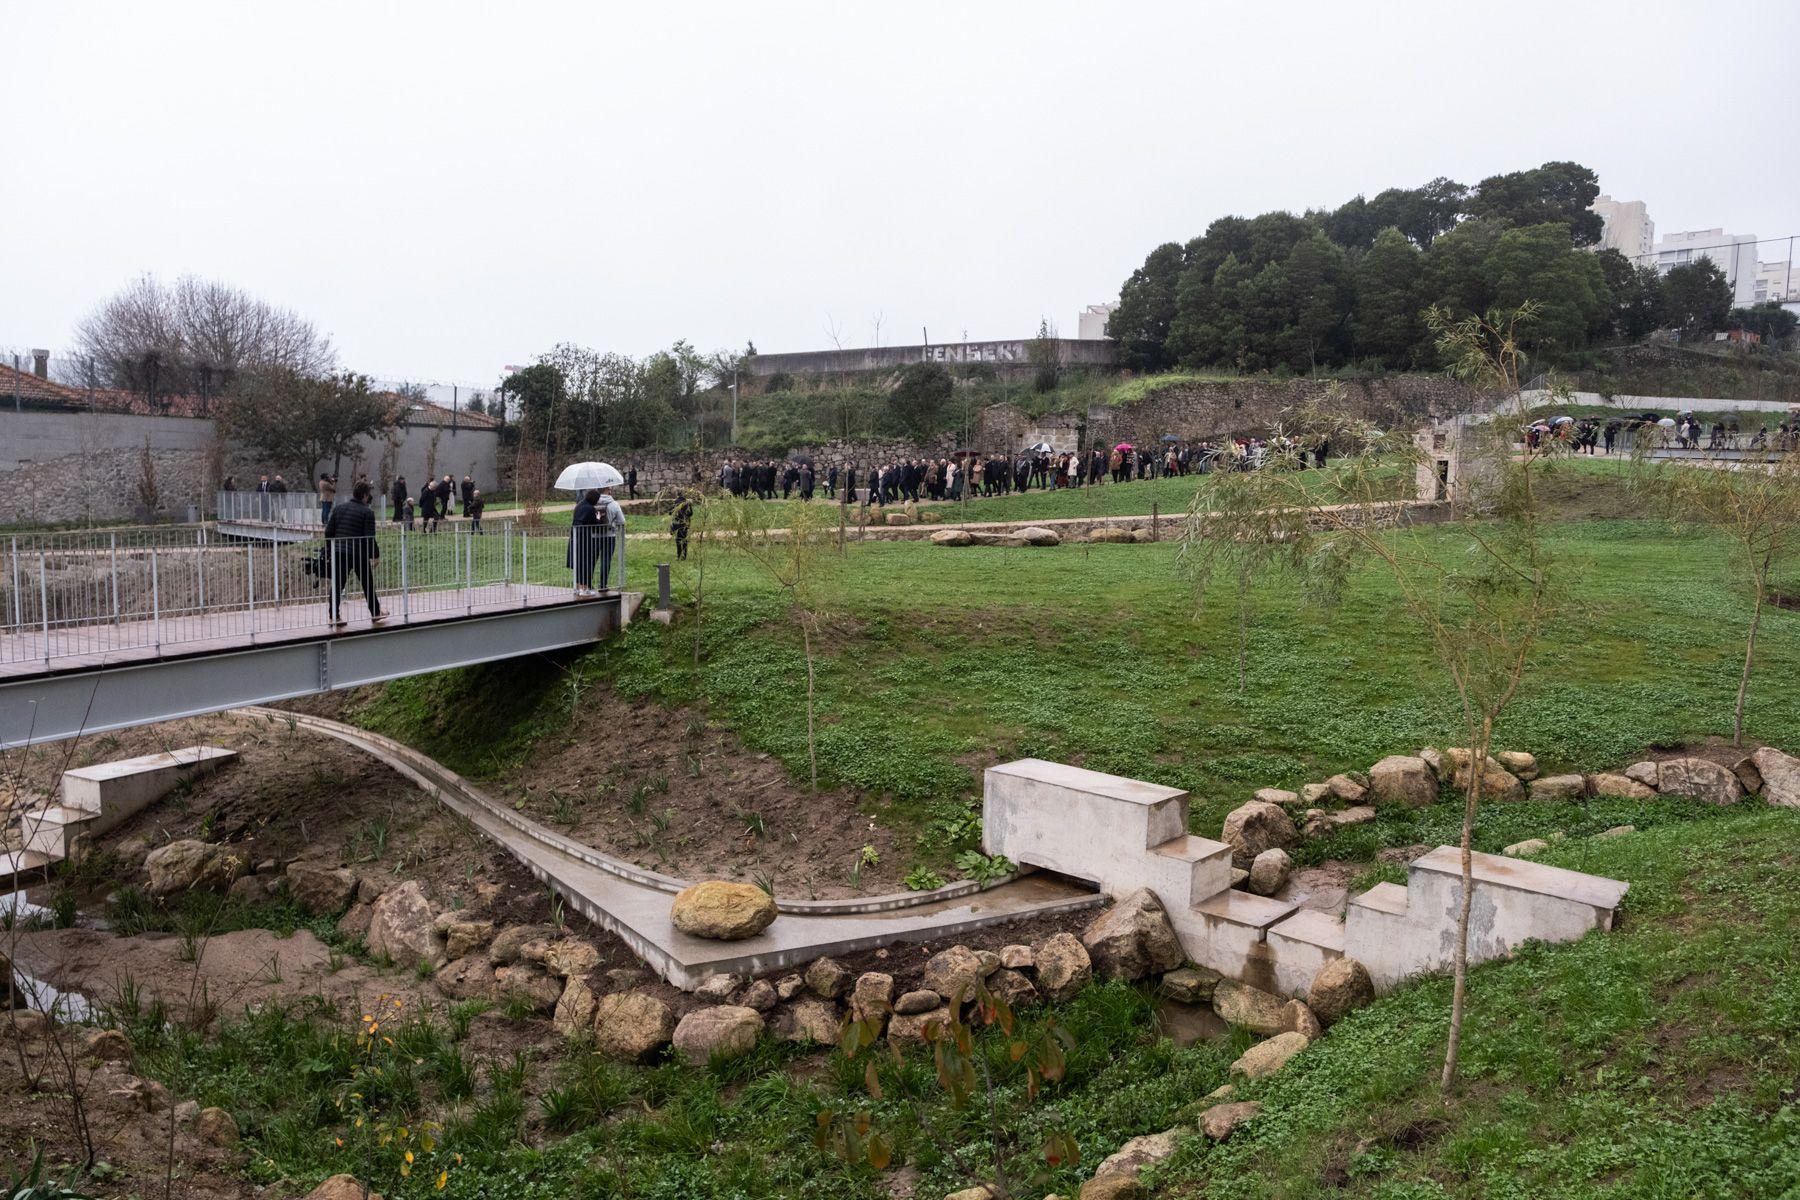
1265,1058
1269,873
1519,763
1780,776
574,1008
403,927
1529,848
1700,778
1300,1019
1113,534
1608,784
1037,535
1559,787
632,1026
1012,988
1191,985
1340,987
1347,788
953,973
529,982
1063,966
325,891
1497,783
723,911
828,978
216,1127
873,996
1249,1008
510,944
1275,795
1133,938
809,1020
909,1028
726,1031
1403,781
1254,827
898,518
952,537
1117,1175
470,977
341,1187
462,937
191,866
1218,1121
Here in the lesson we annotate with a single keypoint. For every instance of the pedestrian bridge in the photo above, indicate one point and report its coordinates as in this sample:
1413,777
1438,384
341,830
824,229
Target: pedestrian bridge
109,630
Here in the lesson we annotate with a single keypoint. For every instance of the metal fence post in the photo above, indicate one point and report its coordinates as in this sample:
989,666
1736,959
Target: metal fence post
662,587
469,573
250,587
405,596
334,606
275,567
200,564
506,569
524,568
113,540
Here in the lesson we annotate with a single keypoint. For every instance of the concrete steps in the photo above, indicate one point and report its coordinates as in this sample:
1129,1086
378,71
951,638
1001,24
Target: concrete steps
16,864
1124,834
98,798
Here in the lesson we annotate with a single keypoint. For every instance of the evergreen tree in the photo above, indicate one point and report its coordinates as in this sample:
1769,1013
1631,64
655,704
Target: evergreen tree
1388,325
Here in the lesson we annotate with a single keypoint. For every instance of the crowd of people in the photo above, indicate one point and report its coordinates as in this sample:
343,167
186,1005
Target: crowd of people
899,480
436,503
1590,435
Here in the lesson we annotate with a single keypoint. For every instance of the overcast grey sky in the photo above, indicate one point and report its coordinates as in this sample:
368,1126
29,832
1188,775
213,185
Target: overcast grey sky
446,188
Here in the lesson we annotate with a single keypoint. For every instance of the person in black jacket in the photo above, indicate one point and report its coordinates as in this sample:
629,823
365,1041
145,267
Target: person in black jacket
428,510
584,541
473,508
350,534
399,495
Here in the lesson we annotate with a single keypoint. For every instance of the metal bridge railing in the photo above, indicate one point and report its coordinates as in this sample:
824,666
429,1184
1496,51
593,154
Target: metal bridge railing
68,595
294,510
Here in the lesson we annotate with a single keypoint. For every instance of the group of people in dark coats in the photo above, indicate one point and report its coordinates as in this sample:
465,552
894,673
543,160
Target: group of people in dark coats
436,503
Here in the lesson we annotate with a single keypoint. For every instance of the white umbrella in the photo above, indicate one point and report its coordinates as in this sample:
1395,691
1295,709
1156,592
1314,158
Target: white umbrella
1667,422
579,477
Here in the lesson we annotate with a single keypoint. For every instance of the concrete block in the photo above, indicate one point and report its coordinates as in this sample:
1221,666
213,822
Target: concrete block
1082,823
115,791
1226,932
1187,869
1299,945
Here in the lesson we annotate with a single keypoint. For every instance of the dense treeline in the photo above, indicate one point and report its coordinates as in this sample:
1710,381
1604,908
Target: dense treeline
1326,289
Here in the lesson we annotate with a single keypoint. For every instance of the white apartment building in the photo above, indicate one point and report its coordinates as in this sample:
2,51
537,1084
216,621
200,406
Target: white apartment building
1732,253
1629,229
1778,281
1090,326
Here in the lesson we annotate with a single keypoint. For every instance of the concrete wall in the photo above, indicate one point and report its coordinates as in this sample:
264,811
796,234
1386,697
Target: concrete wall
1009,357
58,467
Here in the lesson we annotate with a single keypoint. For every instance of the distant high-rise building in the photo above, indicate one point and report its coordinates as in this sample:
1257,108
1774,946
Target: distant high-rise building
1733,253
1628,228
1091,325
1779,281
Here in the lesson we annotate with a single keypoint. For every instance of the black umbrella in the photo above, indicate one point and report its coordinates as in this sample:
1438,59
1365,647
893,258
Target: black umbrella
804,460
1169,437
1042,448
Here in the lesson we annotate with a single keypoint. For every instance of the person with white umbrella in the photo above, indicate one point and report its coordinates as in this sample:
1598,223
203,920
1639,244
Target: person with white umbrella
597,525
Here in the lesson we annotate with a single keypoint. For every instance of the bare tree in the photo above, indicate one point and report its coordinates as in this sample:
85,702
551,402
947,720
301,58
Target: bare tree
195,336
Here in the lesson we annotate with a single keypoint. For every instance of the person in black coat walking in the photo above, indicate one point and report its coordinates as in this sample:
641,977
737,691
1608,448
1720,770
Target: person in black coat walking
350,535
399,496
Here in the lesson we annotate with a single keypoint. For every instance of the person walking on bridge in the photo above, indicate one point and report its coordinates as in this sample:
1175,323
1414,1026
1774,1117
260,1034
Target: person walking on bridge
350,539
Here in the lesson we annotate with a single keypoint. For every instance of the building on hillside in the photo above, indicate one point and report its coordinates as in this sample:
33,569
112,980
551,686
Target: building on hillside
1628,228
1776,281
1008,358
1090,326
1733,253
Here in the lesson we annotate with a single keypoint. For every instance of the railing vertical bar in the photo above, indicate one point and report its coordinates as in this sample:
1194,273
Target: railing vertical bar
18,597
405,595
469,573
250,586
155,603
113,539
200,567
334,610
44,601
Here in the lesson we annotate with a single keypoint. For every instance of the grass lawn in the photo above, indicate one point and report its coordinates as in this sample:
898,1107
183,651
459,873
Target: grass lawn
934,661
1655,1061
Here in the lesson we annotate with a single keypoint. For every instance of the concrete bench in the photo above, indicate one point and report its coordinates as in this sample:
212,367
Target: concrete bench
99,798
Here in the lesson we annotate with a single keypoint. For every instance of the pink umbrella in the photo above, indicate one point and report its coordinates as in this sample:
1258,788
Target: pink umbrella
1123,446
